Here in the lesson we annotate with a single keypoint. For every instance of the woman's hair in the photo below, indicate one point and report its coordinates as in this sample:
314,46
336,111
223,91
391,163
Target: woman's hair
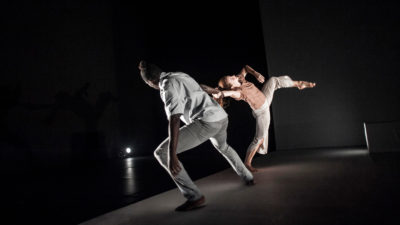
149,71
223,85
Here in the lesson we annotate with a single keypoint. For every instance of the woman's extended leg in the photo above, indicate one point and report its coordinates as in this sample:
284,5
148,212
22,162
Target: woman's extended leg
303,84
274,83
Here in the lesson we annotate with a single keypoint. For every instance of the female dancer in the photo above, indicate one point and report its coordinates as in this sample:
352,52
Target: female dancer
238,88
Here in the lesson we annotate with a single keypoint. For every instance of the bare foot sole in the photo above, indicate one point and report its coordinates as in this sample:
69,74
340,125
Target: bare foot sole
252,169
305,84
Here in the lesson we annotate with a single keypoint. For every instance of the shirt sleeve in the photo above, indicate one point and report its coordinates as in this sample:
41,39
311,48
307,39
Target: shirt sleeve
172,99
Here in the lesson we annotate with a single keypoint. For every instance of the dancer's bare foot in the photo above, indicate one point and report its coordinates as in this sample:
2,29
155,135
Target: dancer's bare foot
252,169
305,84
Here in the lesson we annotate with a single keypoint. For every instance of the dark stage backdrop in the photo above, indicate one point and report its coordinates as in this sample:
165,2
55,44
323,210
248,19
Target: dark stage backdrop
58,85
206,39
70,88
351,49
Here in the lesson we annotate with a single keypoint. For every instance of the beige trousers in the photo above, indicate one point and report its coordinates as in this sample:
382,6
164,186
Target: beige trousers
262,114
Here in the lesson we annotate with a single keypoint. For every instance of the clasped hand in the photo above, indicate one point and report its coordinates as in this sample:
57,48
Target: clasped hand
217,95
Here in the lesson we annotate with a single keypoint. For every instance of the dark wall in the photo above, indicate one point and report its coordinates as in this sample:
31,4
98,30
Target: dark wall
71,91
205,39
57,83
351,49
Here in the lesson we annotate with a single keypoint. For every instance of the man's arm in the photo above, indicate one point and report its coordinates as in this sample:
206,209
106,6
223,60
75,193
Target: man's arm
209,90
173,130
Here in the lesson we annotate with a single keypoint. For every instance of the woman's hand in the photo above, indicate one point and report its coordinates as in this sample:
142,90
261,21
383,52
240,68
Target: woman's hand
174,166
256,74
260,78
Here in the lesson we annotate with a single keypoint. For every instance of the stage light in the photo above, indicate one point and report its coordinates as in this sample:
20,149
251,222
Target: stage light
125,152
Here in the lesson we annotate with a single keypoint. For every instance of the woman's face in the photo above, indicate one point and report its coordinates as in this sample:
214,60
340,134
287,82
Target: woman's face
233,81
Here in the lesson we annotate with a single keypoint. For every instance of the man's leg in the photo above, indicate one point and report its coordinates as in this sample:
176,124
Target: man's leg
190,136
219,142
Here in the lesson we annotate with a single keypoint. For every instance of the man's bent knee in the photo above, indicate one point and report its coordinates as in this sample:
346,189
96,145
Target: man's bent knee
160,154
223,147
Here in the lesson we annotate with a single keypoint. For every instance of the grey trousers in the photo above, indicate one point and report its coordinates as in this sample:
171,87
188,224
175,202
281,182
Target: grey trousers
262,114
192,135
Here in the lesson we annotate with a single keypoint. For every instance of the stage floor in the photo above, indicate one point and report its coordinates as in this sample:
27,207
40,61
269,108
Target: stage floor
324,186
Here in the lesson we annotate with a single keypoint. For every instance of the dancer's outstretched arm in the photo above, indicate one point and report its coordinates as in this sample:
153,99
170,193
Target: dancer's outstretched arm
233,94
247,69
209,90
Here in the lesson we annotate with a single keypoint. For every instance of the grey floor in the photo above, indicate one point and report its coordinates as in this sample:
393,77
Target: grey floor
325,186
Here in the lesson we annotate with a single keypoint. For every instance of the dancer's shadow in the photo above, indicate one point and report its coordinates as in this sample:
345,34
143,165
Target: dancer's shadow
87,147
12,143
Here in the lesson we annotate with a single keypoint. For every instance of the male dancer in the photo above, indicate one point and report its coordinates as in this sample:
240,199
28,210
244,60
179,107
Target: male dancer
184,99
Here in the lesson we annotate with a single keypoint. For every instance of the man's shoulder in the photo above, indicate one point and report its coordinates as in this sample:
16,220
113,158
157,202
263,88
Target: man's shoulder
177,77
170,75
174,76
172,79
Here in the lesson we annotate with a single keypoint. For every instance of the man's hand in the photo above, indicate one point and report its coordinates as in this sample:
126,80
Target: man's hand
174,166
217,95
208,89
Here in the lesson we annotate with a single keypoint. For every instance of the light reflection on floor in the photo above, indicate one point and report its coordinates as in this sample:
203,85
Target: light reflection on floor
129,177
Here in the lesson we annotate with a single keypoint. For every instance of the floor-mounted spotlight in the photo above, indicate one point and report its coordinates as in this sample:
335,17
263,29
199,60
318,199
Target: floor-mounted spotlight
126,152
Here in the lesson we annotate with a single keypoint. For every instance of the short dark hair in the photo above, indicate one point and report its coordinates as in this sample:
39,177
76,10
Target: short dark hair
149,71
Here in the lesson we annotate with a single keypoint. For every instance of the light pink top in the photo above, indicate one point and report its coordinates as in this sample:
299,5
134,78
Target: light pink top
250,93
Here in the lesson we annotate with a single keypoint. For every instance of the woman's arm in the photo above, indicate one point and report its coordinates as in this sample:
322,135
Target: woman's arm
243,72
233,94
247,69
256,74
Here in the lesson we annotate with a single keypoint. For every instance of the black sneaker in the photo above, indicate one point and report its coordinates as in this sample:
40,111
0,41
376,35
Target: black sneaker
190,205
250,182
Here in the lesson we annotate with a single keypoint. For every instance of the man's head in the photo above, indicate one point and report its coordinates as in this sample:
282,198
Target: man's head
150,73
